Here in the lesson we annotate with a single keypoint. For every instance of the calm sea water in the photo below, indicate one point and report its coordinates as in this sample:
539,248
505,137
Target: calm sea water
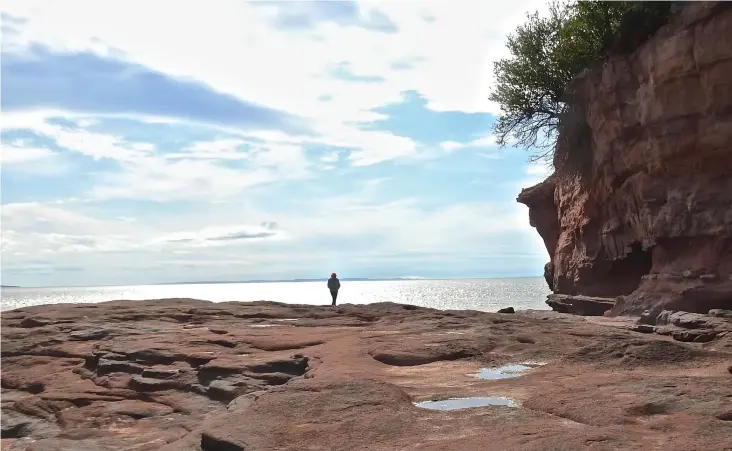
474,294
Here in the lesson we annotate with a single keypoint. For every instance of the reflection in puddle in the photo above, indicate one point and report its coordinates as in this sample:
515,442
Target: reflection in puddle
465,403
505,371
265,325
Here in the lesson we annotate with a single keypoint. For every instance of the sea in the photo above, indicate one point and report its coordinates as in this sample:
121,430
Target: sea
450,294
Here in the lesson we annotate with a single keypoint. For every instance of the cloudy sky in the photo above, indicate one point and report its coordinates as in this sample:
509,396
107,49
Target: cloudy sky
164,141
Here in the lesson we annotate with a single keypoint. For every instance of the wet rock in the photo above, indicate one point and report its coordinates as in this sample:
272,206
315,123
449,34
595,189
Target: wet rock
507,310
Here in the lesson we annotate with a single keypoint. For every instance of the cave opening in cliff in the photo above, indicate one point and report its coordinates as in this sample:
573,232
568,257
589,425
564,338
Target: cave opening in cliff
625,274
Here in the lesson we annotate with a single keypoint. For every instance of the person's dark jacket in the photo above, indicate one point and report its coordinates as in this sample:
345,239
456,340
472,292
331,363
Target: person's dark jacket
334,284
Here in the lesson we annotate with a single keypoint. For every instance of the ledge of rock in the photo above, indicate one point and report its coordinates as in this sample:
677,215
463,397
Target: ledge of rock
580,305
687,326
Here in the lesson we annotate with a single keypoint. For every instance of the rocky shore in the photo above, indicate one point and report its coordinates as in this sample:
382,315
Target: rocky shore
183,374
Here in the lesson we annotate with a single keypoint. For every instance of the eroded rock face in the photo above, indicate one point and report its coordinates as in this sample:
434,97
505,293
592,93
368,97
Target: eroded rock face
649,220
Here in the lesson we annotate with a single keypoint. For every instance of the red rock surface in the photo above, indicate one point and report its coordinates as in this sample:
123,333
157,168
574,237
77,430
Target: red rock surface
192,375
650,218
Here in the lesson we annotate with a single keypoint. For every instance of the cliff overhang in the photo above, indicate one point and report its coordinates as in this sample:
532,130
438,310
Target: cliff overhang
644,213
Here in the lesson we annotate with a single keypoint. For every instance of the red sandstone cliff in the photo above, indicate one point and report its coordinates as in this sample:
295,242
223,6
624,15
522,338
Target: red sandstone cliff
649,220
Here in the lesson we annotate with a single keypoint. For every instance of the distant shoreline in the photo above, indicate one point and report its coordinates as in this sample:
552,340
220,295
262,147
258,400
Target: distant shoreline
355,279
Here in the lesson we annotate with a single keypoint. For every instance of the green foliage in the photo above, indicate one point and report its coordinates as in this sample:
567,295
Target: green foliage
549,51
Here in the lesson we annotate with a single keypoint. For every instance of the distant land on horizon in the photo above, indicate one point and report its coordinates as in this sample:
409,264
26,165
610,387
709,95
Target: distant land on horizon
322,279
343,279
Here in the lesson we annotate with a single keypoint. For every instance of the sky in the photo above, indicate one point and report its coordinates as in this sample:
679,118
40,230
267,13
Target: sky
175,141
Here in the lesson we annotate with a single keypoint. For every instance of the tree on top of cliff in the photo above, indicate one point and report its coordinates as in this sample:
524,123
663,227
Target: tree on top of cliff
548,52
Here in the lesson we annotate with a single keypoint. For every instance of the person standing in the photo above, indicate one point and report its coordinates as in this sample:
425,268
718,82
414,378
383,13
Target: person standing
334,285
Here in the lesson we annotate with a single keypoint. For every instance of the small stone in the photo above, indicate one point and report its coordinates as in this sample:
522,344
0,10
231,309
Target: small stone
507,310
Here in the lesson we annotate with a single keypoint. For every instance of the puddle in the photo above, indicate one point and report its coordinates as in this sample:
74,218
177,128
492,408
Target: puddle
265,325
505,371
465,403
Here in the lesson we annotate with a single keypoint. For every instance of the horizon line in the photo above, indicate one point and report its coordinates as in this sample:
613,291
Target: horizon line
294,280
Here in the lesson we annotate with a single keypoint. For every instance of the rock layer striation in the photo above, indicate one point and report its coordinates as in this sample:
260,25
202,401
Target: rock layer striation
644,212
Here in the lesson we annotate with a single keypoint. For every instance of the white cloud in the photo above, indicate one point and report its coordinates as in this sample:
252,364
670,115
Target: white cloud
99,146
12,155
94,145
246,56
198,171
482,142
224,236
221,149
